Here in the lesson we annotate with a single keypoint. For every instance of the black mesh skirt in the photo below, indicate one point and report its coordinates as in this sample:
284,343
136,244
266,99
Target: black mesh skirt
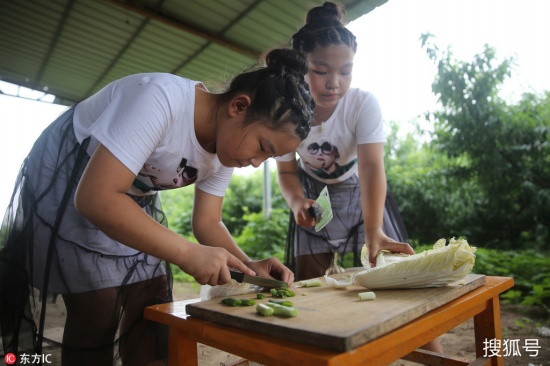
345,232
47,249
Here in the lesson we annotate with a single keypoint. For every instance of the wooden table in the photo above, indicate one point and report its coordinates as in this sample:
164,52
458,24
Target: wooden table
481,303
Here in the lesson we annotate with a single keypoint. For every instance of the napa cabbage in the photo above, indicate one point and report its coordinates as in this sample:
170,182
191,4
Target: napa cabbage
439,266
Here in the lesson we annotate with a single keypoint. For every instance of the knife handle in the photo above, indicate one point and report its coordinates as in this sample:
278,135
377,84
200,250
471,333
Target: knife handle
237,276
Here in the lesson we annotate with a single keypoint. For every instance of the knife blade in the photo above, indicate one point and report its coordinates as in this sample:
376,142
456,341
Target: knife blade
256,280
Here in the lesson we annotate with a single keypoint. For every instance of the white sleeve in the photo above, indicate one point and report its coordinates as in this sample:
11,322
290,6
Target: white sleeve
369,127
134,123
216,184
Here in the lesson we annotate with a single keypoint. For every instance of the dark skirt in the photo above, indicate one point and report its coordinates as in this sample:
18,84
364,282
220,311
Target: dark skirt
345,232
47,248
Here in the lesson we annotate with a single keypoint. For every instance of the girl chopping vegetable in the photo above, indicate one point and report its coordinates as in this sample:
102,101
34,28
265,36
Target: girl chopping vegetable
344,152
85,219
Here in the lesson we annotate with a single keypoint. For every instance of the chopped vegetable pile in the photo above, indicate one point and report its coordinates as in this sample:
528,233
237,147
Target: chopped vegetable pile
238,302
278,307
282,292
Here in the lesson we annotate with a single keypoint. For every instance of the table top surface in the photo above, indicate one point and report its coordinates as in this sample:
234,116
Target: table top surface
267,348
329,318
335,318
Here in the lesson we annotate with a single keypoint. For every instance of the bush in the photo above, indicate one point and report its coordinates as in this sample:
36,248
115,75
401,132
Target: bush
529,268
264,237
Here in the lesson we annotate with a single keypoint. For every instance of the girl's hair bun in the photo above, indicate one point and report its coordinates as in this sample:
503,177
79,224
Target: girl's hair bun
327,15
278,91
283,60
323,27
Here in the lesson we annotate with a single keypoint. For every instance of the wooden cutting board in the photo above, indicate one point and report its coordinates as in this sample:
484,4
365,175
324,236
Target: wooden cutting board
335,319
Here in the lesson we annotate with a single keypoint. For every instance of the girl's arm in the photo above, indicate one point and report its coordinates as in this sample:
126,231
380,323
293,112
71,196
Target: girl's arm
209,229
372,179
291,189
101,198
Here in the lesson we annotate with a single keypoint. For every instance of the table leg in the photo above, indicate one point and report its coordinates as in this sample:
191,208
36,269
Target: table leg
487,327
182,351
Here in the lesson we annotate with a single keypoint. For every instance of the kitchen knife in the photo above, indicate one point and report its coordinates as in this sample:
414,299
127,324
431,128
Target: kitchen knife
322,210
256,280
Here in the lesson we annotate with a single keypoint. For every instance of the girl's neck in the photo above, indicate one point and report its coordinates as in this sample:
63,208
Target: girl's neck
205,119
322,114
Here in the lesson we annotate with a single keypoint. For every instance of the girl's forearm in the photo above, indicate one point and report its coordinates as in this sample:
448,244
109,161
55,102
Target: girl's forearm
373,195
372,180
289,184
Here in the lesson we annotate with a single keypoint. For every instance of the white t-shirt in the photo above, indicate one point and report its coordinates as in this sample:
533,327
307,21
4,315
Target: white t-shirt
329,153
147,122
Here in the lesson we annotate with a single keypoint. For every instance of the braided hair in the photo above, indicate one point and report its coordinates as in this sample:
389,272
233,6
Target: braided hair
323,27
278,91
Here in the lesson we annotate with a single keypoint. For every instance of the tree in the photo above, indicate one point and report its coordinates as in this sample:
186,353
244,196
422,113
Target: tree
430,198
245,196
505,147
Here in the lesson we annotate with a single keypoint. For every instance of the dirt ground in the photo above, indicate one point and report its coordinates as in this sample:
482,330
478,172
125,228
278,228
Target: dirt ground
521,326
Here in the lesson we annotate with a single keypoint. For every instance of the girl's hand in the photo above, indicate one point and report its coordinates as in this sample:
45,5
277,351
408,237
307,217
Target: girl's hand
377,241
301,213
210,265
272,268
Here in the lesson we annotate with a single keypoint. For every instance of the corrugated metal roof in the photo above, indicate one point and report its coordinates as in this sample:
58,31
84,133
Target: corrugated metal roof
72,48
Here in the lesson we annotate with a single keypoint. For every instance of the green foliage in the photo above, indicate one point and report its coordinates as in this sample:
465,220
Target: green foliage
264,237
430,198
507,147
485,174
530,270
178,206
243,196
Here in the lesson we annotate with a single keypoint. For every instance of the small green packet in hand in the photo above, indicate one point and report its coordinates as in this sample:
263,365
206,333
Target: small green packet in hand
324,203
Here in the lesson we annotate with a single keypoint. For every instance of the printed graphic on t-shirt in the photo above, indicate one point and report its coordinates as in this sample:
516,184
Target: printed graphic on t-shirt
151,178
322,160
